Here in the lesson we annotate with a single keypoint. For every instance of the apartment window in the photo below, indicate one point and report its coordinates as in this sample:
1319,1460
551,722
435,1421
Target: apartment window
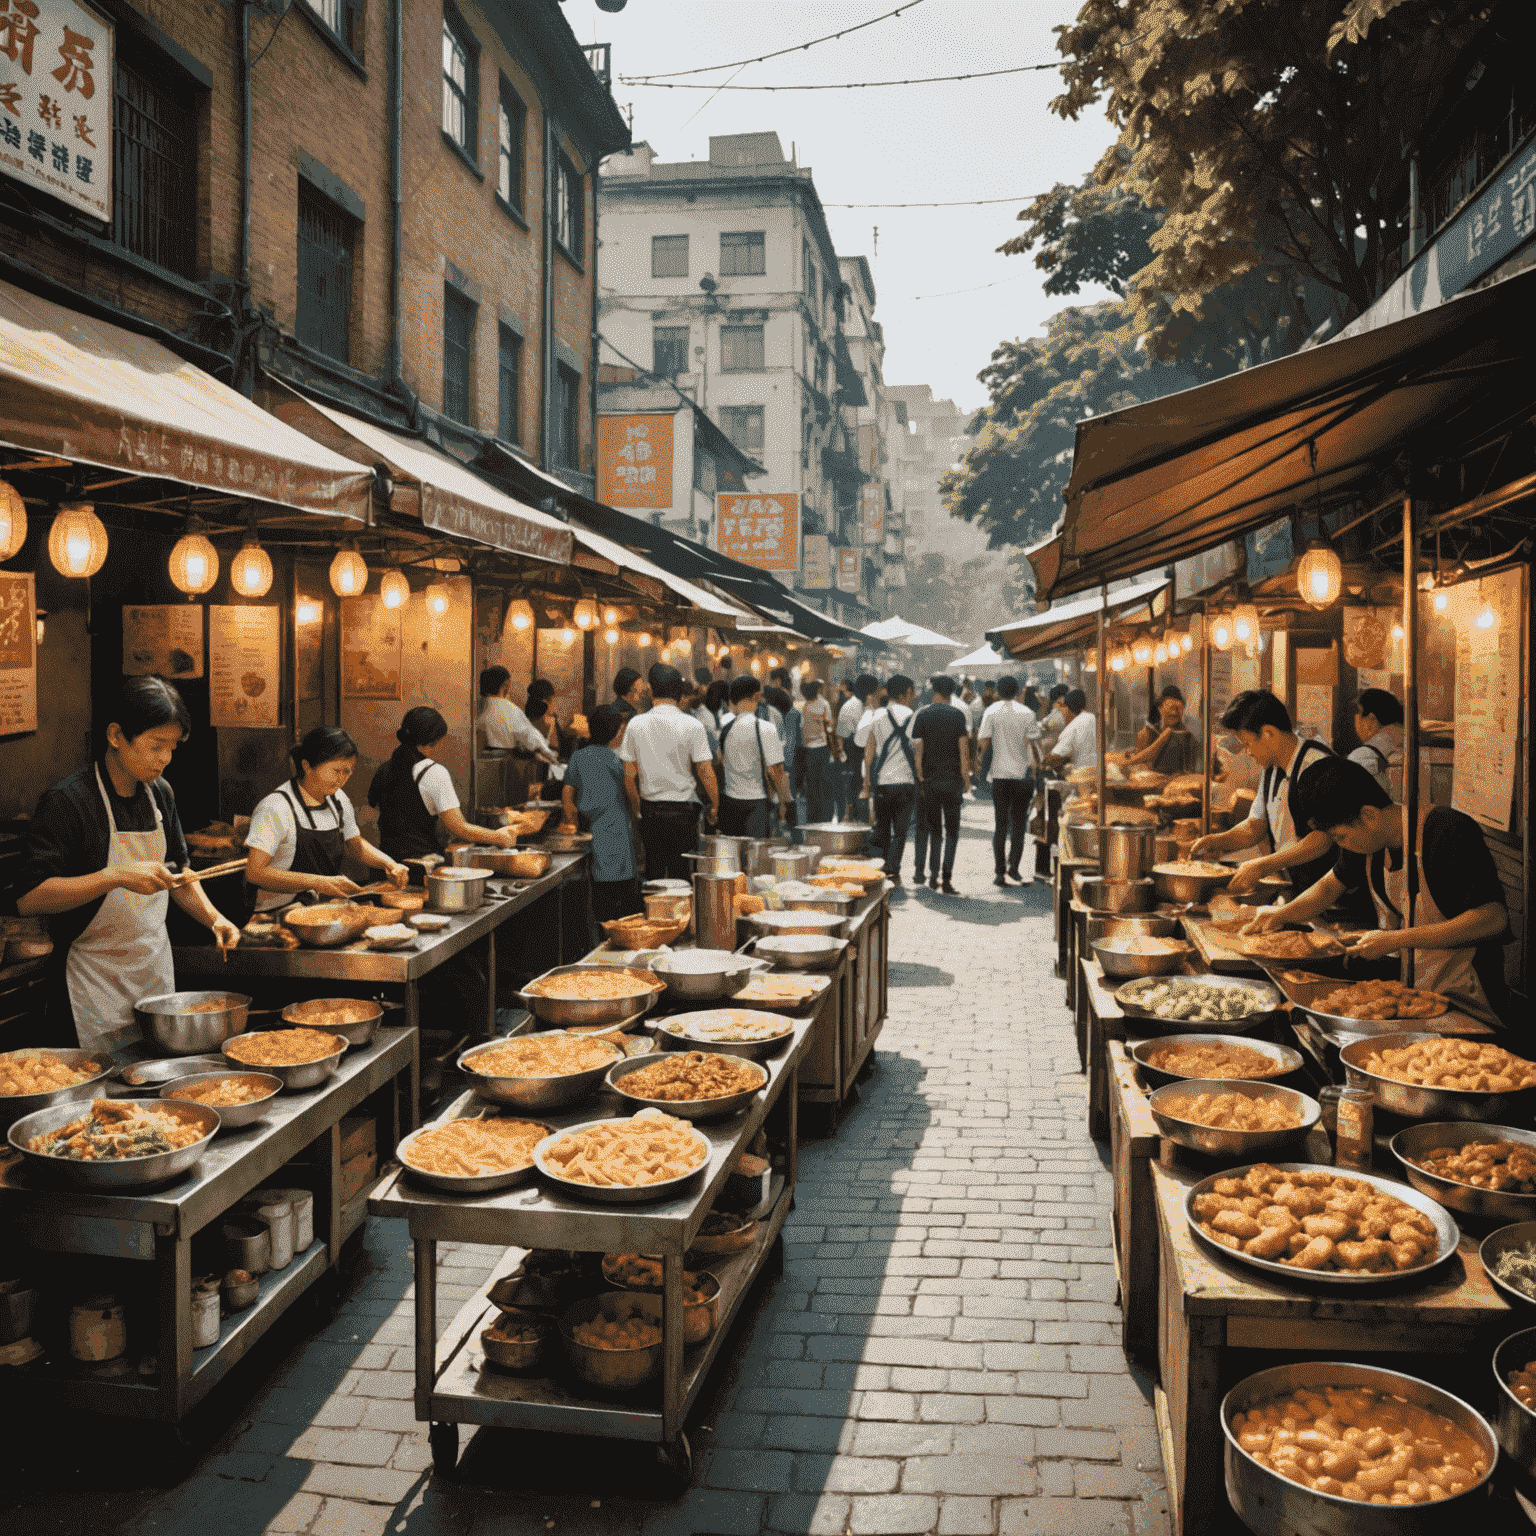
154,153
741,349
326,236
743,424
340,18
670,350
669,255
461,83
567,415
743,255
810,270
511,135
570,210
509,378
458,353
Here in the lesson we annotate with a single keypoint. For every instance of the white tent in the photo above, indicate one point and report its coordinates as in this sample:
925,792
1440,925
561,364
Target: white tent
902,632
982,658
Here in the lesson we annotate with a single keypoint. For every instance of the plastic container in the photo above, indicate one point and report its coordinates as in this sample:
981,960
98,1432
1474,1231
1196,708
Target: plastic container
303,1203
277,1211
205,1312
97,1330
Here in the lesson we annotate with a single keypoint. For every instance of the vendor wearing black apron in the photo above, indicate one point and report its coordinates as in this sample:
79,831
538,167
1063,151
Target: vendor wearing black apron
1166,744
97,853
415,797
301,832
1460,917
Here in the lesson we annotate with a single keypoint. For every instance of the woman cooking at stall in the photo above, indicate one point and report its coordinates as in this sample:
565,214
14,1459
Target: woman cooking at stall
300,832
413,792
97,853
1460,917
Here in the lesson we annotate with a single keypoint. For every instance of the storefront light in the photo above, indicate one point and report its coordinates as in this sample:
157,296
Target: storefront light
1397,631
568,636
307,611
349,574
1221,632
1186,642
1487,617
643,639
586,614
1160,653
1319,576
250,572
520,615
194,563
438,598
13,520
610,617
611,636
394,589
1142,650
1091,661
77,542
1245,625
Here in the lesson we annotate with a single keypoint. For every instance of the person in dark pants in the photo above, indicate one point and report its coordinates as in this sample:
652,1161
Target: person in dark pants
818,739
752,765
849,718
890,771
941,741
1010,729
593,793
664,752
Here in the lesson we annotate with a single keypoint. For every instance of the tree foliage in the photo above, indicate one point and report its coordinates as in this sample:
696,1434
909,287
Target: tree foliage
956,598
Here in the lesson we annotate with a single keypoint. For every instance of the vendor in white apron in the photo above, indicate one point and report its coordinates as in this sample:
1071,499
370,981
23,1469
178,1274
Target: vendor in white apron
1460,920
98,848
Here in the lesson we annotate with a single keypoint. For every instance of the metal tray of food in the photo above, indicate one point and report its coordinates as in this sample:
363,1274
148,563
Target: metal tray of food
721,1108
1305,989
1417,1141
1418,1102
120,1172
800,951
614,1194
1226,1141
329,924
1520,1234
669,1032
1206,992
465,1184
231,1116
1286,1060
302,1074
528,1093
648,987
819,982
1446,1230
150,1074
15,1106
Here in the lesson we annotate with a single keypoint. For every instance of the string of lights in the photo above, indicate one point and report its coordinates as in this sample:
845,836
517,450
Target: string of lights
852,85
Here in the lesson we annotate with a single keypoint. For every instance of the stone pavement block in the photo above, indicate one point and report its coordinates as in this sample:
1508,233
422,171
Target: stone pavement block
369,1485
894,1514
237,1466
961,1516
388,1414
958,1473
1100,1482
803,1514
1063,1517
793,1433
296,1515
738,1429
391,1384
1023,1410
995,1440
705,1509
1079,1444
748,1471
951,1408
1056,1479
846,1474
413,1454
1110,1401
345,1517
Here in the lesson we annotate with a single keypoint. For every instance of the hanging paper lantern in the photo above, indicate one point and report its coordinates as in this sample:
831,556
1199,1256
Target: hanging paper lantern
520,615
1142,650
349,574
250,572
194,563
77,542
1221,632
1245,625
13,520
610,617
438,597
611,636
394,589
1319,576
643,640
307,611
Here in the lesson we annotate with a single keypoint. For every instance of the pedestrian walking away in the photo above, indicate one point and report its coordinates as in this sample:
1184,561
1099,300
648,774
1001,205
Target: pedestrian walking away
855,711
941,744
890,771
1011,730
823,753
752,756
593,793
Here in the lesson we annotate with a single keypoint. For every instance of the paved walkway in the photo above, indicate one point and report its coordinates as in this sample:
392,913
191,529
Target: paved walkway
941,1356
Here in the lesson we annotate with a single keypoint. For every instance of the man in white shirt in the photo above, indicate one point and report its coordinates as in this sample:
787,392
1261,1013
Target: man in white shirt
506,727
1379,728
890,771
1012,729
849,718
752,758
1055,721
1078,744
663,752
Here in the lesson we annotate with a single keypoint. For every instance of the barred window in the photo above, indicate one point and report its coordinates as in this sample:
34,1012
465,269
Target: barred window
154,152
741,348
510,369
512,128
570,209
743,255
458,354
670,346
567,417
325,242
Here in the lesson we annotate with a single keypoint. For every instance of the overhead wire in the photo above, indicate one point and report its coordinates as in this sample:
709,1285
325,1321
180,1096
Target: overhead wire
854,85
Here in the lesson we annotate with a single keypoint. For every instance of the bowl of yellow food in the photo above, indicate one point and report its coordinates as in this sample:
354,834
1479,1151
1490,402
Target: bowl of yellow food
239,1097
34,1078
638,1273
612,1341
515,1341
548,1070
1226,1117
477,1155
694,1085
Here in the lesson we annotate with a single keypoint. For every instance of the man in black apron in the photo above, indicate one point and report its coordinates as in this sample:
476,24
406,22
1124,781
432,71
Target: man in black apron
890,771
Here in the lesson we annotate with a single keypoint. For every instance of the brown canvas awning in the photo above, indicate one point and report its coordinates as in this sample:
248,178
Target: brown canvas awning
1167,479
79,389
1075,625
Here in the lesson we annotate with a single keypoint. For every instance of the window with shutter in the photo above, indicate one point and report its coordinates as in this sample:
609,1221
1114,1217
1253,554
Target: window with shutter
325,240
458,355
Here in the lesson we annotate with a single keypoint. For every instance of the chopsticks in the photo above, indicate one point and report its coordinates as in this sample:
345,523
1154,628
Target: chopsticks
191,877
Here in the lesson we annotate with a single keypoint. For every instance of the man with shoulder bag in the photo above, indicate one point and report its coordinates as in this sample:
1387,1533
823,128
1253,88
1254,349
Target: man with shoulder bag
890,771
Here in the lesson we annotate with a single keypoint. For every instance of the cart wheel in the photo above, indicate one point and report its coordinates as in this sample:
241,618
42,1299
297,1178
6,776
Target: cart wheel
444,1442
675,1459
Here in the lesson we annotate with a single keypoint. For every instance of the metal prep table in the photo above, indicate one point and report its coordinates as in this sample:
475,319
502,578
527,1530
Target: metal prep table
452,1385
156,1226
396,968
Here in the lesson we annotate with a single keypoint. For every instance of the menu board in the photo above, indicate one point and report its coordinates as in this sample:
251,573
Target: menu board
163,641
370,649
244,660
1488,701
18,653
562,663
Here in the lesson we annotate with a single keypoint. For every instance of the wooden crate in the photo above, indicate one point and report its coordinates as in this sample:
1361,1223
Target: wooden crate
1133,1146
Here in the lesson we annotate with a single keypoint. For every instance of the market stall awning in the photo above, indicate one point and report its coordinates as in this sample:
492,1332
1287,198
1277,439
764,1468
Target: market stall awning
903,632
431,485
982,656
1175,476
80,389
649,577
1074,625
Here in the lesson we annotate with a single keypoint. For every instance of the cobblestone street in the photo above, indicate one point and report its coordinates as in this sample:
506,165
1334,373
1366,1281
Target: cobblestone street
942,1354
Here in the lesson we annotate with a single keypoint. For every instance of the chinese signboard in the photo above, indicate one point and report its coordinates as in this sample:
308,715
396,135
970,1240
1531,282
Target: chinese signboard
760,529
872,514
848,563
634,461
818,561
18,653
1488,703
163,641
370,649
244,665
56,101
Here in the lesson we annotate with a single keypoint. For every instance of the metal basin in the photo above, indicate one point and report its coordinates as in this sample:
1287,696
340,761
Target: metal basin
451,889
1196,889
700,1319
1521,1235
841,902
836,836
330,923
115,1173
685,1109
826,925
1129,850
1419,1103
800,951
1103,895
722,845
704,973
483,856
610,1370
150,1074
1271,1505
305,1074
520,1356
529,1093
1218,1141
714,863
1305,988
670,1036
1103,925
1285,1059
187,1023
614,1194
355,1019
1417,1141
231,1116
462,1184
1130,994
13,1106
647,989
1126,967
1514,1423
757,855
794,863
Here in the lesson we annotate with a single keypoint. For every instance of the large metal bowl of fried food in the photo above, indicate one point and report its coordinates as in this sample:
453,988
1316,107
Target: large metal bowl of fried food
329,924
1191,880
1173,1058
355,1019
1225,1118
650,1156
1139,954
516,1340
613,1340
1346,1011
35,1077
547,1070
1221,1005
1472,1167
1305,1222
239,1097
477,1155
636,1272
303,1058
592,994
115,1143
751,1032
695,1085
1435,1077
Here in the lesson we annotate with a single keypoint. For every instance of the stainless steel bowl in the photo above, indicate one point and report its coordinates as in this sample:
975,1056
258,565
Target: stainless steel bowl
116,1173
826,925
452,889
567,842
613,1194
610,1370
171,1027
329,924
1131,996
1129,849
684,1109
1173,886
594,1010
150,1074
1522,1234
800,951
1446,1230
1126,967
462,1184
1264,892
701,974
1285,1059
1514,1423
1271,1505
482,856
1216,1141
1105,925
517,1357
1305,990
700,1319
13,1106
1419,1103
307,1074
836,836
840,902
794,863
1114,895
528,1093
1080,840
669,1033
1417,1141
231,1116
358,1026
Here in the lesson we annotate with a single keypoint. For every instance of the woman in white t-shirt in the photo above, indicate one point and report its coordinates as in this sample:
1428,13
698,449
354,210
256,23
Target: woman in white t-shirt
414,792
300,832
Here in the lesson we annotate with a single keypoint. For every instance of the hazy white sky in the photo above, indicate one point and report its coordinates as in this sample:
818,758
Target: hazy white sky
926,143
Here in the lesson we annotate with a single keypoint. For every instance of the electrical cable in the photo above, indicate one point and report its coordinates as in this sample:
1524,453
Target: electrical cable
973,202
954,292
855,85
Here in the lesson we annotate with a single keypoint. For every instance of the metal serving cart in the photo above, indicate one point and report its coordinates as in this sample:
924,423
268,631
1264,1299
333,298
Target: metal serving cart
453,1384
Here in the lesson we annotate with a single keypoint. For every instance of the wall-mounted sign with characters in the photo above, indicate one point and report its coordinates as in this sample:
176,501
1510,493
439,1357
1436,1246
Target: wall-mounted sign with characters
634,461
762,529
56,101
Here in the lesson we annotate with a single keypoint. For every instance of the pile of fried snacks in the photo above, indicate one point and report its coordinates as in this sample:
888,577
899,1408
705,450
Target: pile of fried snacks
647,1149
284,1047
469,1148
42,1073
687,1076
1461,1065
543,1056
